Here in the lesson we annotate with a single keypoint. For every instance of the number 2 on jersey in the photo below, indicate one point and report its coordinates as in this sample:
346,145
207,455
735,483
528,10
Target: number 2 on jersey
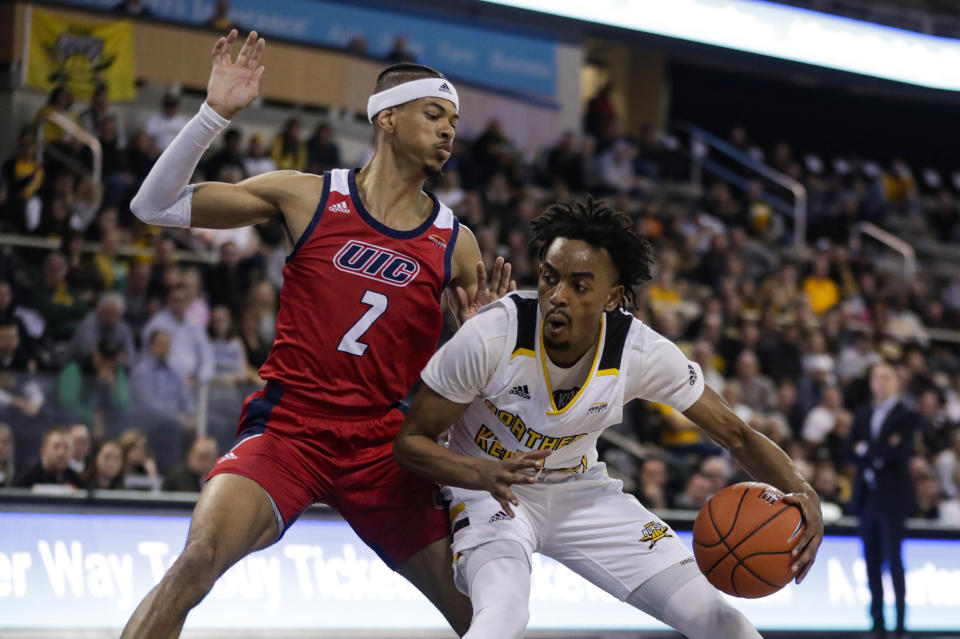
378,306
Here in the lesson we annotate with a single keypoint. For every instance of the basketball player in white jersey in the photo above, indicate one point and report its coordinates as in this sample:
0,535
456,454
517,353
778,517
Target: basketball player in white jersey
528,385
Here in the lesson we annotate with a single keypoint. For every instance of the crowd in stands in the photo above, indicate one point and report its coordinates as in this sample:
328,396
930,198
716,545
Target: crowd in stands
103,353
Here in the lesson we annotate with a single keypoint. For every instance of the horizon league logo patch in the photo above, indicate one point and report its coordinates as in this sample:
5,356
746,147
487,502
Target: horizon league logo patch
693,374
597,408
375,263
654,532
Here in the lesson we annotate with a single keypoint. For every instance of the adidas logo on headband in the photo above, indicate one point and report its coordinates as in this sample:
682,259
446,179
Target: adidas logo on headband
413,90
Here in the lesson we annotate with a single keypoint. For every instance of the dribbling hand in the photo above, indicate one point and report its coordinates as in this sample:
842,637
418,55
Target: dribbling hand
805,551
234,85
500,285
497,477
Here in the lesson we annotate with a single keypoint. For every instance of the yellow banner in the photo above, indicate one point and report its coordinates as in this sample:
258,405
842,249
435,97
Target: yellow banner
80,55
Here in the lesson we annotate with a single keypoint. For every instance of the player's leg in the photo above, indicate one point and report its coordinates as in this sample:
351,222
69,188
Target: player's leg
496,576
233,517
683,599
869,528
633,555
430,569
396,513
893,534
252,494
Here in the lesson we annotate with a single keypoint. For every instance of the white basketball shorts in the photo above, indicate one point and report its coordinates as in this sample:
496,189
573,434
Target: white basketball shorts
585,522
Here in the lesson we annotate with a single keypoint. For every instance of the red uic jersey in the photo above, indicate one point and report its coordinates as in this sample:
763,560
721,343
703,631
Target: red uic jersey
360,308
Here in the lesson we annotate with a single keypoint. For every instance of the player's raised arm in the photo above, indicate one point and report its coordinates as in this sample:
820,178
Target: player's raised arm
468,285
766,462
165,199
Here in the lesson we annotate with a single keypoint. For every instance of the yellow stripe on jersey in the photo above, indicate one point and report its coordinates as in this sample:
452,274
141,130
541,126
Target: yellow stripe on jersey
456,510
526,352
593,368
609,371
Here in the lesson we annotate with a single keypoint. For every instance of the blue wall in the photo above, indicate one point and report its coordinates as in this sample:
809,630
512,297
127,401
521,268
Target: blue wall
487,57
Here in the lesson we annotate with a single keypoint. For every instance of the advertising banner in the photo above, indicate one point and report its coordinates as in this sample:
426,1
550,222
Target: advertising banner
93,569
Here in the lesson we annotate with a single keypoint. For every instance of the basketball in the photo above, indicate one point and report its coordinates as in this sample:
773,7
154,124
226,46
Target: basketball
743,537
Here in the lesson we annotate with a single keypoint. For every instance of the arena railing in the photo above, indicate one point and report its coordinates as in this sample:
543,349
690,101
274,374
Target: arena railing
702,143
87,139
889,240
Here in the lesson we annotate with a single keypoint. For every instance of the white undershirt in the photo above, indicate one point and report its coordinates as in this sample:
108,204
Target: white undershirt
570,378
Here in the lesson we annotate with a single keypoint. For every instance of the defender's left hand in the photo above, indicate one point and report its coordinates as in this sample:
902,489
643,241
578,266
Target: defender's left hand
500,285
805,551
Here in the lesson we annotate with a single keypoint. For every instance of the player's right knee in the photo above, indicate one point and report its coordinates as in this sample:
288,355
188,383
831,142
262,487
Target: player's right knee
474,559
505,621
499,580
198,562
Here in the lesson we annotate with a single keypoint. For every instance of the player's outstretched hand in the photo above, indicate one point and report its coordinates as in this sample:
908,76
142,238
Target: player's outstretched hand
234,84
497,477
500,285
806,549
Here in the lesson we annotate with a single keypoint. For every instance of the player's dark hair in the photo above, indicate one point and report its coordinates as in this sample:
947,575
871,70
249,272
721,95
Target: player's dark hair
601,226
402,72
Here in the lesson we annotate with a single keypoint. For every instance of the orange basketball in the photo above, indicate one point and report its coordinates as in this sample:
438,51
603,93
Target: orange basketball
743,537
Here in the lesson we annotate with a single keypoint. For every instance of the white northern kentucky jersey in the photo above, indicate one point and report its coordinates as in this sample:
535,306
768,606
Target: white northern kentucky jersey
518,410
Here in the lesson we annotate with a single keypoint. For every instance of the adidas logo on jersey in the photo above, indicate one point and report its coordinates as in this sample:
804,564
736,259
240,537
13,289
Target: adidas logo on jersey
500,516
444,88
693,374
339,207
228,456
520,391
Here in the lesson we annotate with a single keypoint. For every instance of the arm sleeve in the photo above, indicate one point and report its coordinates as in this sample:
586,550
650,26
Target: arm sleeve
660,372
463,367
164,197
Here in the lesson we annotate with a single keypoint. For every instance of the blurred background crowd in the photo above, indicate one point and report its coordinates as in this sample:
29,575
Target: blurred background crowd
119,342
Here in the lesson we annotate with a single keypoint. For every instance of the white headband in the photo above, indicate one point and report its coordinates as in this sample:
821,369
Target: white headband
409,91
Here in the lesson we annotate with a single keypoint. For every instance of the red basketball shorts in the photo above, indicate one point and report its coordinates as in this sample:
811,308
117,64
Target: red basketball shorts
348,464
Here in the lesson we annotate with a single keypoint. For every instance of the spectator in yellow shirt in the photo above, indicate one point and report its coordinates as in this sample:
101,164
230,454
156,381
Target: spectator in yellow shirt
822,292
289,152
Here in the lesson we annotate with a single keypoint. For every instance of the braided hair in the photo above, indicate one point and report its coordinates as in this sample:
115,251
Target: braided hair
600,226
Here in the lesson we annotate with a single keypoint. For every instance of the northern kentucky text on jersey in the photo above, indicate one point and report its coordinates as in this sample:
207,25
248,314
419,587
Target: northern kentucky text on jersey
525,435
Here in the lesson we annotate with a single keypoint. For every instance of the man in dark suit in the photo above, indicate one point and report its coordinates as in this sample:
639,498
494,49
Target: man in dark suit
880,444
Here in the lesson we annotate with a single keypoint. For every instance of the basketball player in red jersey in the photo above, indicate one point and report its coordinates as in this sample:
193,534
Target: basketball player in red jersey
359,317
